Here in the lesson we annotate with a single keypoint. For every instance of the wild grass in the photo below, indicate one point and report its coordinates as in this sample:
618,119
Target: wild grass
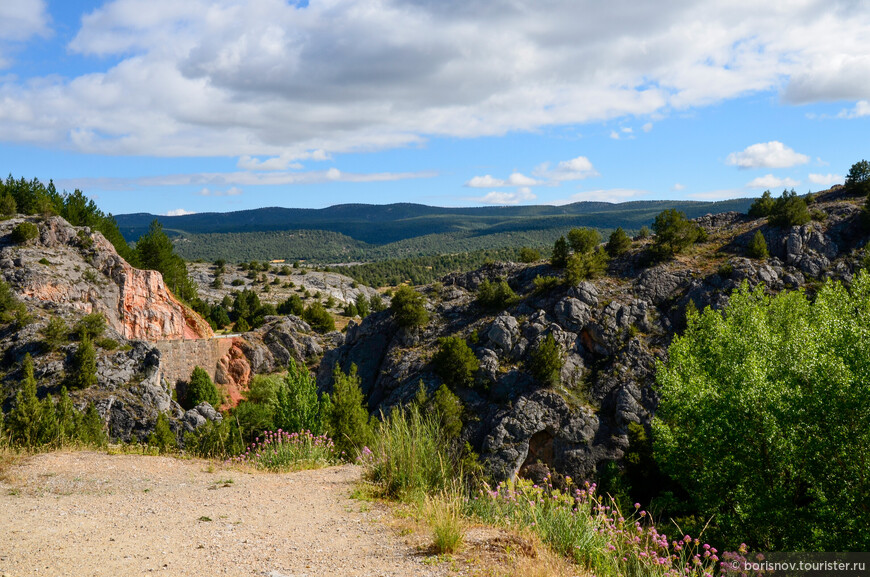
280,451
444,513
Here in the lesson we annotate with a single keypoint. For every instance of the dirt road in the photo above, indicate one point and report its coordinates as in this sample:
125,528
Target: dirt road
83,514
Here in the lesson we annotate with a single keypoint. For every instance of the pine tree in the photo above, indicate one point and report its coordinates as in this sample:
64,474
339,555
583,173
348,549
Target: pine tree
560,253
346,416
84,365
757,247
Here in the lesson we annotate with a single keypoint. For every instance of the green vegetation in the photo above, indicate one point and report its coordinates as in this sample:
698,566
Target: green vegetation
23,232
674,233
408,308
84,365
454,362
155,251
618,243
757,247
90,326
764,418
789,210
529,255
281,451
318,317
297,405
545,362
345,415
858,179
10,307
585,266
200,389
583,240
559,258
55,334
163,438
763,206
496,295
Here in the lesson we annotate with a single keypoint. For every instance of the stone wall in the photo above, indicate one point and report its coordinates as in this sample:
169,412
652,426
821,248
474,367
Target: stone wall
179,357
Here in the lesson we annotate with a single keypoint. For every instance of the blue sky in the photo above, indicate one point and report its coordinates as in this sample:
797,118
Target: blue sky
215,105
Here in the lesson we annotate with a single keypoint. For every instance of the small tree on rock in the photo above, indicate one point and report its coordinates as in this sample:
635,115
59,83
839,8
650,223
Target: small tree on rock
618,243
408,308
454,362
200,389
560,253
84,364
545,362
757,246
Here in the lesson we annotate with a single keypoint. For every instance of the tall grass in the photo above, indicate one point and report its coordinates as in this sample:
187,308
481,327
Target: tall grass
283,451
445,514
409,457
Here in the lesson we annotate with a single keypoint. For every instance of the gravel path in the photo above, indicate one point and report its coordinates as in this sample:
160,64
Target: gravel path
87,513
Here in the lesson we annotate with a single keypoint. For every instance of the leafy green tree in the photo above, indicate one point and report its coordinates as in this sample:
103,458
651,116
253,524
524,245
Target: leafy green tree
495,295
162,437
763,206
764,418
455,362
583,240
23,232
644,233
9,305
24,421
408,308
319,318
220,317
92,326
446,406
757,247
91,430
858,179
7,205
674,233
363,306
155,252
84,365
560,253
200,389
293,305
346,418
376,302
789,210
529,255
242,326
585,266
298,405
618,243
55,334
545,362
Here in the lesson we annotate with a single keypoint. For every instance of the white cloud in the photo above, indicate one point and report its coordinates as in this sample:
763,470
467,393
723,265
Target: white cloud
826,179
771,181
614,135
232,191
487,181
265,79
647,127
712,195
575,169
602,195
678,187
518,179
862,108
178,212
20,22
773,154
523,194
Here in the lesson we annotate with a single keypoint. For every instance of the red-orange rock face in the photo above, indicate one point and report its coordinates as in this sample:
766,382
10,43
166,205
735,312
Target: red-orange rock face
233,374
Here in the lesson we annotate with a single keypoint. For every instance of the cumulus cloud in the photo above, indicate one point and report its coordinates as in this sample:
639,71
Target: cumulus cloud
21,21
771,181
487,181
178,212
267,79
647,127
826,179
678,187
523,194
602,195
773,154
232,191
575,169
861,108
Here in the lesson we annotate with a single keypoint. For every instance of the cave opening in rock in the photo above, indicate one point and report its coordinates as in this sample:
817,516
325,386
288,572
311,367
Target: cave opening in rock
540,458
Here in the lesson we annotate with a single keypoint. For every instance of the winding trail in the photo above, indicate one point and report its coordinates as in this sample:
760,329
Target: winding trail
88,513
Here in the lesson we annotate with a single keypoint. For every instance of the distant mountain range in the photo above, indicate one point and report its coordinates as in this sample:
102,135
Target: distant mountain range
376,232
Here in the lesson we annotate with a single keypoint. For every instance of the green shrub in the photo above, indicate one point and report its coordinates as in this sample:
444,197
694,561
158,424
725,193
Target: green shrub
583,240
363,306
408,308
674,233
376,302
215,440
84,365
529,255
454,361
446,405
496,295
107,344
618,243
559,257
545,362
764,421
24,232
281,451
858,179
297,404
45,261
586,266
762,207
91,326
757,247
319,318
643,233
8,207
345,415
789,210
200,389
545,283
55,334
162,437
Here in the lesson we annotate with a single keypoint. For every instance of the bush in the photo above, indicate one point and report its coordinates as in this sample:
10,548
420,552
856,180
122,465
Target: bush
454,362
762,207
200,389
319,318
764,418
91,326
618,243
545,362
496,295
583,240
283,451
789,210
674,233
757,247
858,179
545,283
8,207
529,255
363,307
345,415
408,308
55,334
84,365
585,266
24,232
292,306
297,404
644,233
376,302
560,253
446,405
163,438
215,440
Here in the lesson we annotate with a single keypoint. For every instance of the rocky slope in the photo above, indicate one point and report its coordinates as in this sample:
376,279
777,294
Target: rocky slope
611,331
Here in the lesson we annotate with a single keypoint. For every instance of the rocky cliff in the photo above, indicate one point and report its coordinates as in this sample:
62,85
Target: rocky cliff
611,332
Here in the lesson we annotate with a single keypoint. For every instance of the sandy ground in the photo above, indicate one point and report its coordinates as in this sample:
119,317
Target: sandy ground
86,513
